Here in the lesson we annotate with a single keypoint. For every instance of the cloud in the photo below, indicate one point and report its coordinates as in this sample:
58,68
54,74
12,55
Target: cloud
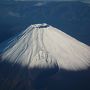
14,14
40,4
45,0
84,1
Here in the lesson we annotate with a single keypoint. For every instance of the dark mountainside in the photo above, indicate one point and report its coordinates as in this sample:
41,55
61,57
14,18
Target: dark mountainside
16,77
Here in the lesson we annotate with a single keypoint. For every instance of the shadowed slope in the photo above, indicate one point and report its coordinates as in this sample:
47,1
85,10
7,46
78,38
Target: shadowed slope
16,77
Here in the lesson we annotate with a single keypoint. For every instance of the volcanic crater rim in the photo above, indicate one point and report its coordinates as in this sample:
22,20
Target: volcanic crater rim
43,25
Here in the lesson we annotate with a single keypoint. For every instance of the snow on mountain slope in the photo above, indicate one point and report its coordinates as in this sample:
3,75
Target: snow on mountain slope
42,46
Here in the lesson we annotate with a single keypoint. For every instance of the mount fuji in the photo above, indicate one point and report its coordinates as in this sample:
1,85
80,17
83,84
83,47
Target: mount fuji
42,46
44,57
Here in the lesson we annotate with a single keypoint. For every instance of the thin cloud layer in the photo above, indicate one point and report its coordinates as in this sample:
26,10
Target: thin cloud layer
40,4
14,14
85,1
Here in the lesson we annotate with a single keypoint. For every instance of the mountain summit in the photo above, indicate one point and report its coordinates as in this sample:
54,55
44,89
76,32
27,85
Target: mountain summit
42,46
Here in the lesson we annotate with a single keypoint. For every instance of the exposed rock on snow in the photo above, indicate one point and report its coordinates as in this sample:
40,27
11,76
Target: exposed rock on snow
43,46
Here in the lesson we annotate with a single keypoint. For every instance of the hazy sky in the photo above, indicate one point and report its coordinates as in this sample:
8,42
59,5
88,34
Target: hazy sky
86,1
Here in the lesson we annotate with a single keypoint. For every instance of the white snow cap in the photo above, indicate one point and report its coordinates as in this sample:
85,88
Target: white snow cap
44,25
43,46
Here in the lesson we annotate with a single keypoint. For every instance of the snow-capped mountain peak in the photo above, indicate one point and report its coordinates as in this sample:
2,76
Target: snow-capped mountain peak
43,25
42,46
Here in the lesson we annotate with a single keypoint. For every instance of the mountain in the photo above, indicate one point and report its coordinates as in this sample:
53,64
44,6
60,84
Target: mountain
41,53
41,45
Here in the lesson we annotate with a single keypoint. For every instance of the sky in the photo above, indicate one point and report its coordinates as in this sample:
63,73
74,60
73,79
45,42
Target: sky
86,1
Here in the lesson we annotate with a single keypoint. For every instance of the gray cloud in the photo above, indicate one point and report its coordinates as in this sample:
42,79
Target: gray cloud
45,0
40,4
84,1
14,14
